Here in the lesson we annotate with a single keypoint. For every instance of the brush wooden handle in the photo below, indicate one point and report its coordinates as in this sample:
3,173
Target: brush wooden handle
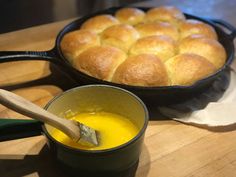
25,107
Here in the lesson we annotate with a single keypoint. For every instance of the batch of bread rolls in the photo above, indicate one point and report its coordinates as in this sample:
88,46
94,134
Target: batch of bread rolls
159,47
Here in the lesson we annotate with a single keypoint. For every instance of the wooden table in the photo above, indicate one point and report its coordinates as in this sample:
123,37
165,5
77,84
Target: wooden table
171,149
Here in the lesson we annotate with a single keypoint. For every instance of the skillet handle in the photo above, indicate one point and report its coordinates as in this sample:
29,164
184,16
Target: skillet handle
51,56
11,129
226,25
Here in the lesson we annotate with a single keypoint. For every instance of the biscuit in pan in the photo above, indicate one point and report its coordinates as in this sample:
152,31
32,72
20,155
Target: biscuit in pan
211,49
190,27
157,28
100,61
141,70
186,69
75,42
168,14
164,47
130,15
99,23
121,36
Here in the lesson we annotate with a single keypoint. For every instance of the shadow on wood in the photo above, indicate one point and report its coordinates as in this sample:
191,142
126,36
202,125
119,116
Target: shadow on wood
45,166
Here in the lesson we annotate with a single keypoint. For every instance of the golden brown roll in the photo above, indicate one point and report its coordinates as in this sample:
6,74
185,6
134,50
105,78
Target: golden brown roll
164,47
99,23
121,36
211,49
141,70
157,28
168,14
100,61
186,69
191,26
75,42
130,15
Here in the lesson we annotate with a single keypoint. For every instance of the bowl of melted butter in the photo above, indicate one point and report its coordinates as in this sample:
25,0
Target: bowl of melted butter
104,123
119,116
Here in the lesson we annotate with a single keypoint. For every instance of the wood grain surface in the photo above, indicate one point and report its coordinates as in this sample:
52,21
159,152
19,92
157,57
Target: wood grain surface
171,149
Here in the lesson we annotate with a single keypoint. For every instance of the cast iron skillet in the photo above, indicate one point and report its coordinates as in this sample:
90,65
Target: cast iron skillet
150,95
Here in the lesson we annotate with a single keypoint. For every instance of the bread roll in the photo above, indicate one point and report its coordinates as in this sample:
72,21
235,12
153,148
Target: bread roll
211,49
191,26
164,47
157,28
99,23
129,15
100,61
141,70
121,36
75,42
168,14
186,69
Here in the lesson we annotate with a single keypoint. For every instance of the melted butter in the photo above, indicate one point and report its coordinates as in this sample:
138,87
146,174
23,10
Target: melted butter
114,130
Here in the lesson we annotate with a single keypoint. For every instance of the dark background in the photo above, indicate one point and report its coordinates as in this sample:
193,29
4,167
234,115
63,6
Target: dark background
18,14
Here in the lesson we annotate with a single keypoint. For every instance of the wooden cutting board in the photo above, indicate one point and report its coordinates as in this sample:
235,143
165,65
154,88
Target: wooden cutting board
171,149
